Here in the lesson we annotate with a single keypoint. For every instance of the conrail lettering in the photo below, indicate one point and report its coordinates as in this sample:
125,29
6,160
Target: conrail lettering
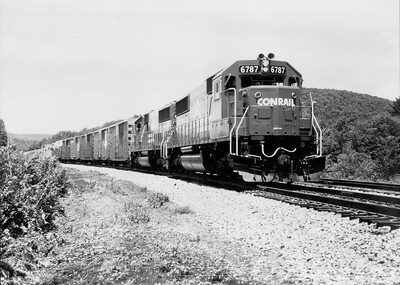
275,102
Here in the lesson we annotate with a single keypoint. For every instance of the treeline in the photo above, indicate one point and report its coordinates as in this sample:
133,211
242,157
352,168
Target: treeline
361,134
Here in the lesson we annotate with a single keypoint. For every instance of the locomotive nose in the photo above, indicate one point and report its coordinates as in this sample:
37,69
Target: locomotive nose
275,110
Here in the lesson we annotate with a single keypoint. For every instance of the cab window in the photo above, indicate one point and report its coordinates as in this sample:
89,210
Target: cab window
294,81
251,80
217,90
230,81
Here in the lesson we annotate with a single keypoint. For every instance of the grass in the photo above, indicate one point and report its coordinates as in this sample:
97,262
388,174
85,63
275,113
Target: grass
136,212
156,200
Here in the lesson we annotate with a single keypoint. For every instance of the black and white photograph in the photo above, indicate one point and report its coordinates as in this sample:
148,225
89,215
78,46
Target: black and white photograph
199,142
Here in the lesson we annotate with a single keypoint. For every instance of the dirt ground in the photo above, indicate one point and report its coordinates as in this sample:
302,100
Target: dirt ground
118,233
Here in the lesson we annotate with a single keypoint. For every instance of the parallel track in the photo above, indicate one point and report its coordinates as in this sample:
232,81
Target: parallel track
382,209
362,184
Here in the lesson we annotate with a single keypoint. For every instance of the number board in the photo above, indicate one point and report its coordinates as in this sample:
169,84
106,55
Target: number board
249,69
277,69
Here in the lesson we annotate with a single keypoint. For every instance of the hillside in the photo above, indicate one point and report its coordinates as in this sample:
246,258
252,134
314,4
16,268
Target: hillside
333,105
361,135
28,137
26,142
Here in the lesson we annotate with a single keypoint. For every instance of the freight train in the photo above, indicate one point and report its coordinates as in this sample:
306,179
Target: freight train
248,117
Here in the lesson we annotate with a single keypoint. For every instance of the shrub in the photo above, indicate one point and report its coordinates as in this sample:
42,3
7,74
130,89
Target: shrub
3,134
156,200
30,190
136,212
353,165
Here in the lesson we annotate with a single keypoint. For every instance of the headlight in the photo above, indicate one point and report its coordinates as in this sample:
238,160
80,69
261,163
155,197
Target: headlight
265,62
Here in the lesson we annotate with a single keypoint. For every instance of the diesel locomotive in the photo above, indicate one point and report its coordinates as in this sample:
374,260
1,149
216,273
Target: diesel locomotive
247,117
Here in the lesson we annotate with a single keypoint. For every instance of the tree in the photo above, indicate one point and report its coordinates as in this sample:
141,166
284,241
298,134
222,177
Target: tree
396,107
3,134
353,165
386,149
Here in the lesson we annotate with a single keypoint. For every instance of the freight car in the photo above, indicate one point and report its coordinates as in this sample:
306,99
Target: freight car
108,145
247,117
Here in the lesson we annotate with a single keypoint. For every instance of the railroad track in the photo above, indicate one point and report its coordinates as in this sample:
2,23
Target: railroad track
361,184
379,208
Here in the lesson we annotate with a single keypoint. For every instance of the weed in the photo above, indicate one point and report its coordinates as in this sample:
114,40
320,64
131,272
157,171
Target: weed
115,186
220,276
136,213
156,200
82,185
141,189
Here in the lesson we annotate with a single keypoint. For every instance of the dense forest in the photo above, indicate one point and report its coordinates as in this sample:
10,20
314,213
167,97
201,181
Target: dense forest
361,134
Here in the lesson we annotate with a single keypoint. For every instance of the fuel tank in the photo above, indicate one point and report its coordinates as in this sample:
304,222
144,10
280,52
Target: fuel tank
143,161
192,162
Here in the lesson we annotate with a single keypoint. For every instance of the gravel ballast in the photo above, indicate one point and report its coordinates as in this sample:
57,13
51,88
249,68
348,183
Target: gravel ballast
277,243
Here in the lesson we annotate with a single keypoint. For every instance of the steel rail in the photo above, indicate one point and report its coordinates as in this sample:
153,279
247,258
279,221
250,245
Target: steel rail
362,184
384,198
364,206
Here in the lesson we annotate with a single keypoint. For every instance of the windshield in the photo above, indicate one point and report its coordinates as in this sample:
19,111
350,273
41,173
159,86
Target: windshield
250,80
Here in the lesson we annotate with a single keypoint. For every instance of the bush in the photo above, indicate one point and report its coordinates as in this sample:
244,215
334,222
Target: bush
30,190
156,200
136,212
353,165
3,134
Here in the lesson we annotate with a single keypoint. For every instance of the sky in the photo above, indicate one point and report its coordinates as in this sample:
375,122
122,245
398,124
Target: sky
71,64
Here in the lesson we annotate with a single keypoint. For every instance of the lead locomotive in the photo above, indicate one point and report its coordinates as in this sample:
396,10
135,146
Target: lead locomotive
247,117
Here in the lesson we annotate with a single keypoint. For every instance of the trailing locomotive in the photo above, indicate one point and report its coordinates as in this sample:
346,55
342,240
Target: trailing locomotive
247,117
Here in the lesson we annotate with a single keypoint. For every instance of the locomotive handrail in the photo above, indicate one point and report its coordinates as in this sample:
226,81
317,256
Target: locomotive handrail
320,138
237,130
234,114
275,152
317,128
169,135
161,146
